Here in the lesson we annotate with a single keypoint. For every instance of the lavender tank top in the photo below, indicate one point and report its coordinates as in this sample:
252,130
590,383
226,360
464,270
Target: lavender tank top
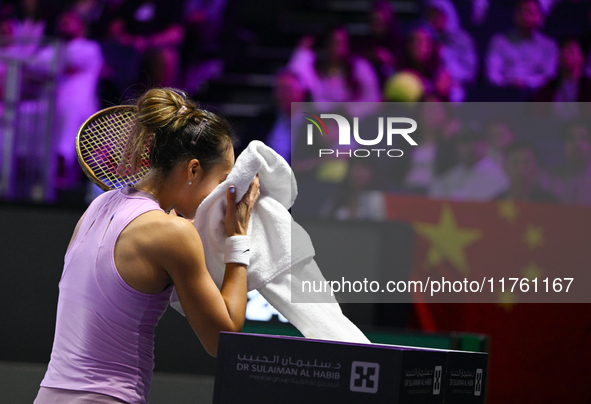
104,337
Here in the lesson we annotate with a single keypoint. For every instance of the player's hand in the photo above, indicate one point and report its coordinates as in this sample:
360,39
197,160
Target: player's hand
238,214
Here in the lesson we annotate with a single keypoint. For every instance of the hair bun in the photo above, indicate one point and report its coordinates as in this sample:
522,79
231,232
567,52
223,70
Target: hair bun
172,129
159,107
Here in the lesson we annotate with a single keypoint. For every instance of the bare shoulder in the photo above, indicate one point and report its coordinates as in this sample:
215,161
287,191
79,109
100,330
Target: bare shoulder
167,241
163,231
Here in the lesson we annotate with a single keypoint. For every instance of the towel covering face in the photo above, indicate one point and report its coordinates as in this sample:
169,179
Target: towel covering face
278,244
277,241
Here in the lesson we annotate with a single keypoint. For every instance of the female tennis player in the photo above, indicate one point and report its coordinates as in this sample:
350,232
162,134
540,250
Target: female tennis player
126,253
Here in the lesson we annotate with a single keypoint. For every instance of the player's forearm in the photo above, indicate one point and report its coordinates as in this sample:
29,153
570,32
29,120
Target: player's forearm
234,293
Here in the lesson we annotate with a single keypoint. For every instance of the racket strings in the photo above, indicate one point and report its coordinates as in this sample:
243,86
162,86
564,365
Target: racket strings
102,145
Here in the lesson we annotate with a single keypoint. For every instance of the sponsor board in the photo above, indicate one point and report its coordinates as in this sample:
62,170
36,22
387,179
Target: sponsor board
269,369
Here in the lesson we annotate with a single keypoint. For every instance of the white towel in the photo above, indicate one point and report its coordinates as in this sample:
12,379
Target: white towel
278,244
318,319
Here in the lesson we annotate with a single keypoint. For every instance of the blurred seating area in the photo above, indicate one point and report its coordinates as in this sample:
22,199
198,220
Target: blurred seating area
60,61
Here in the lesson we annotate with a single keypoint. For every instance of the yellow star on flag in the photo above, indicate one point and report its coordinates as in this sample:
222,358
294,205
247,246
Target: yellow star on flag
447,240
507,300
532,271
508,210
533,236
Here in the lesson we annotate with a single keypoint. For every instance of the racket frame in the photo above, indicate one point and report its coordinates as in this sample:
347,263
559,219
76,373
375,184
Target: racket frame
85,167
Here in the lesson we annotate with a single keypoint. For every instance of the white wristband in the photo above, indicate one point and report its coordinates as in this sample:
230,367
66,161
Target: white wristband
237,250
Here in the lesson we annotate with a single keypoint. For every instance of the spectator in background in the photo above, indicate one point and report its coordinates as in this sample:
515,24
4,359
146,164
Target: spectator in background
521,166
203,20
153,30
422,55
445,88
333,73
97,14
34,18
201,50
26,23
456,46
569,85
81,62
422,58
571,181
288,89
475,178
89,10
523,58
273,126
384,46
435,152
499,135
357,197
10,46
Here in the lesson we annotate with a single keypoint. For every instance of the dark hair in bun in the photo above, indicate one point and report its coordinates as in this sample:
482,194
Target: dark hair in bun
174,130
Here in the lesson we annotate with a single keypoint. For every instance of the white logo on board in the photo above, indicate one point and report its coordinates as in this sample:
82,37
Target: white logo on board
478,384
364,377
437,380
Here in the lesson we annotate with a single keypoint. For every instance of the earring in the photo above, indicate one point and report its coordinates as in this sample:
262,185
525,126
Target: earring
190,182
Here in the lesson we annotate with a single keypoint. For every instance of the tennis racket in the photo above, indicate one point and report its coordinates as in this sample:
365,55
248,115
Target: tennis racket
100,144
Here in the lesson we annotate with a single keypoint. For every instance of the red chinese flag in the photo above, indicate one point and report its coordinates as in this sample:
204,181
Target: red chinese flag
539,352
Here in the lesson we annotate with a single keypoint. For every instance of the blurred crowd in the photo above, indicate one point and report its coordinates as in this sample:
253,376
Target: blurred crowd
454,51
475,154
521,50
437,62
